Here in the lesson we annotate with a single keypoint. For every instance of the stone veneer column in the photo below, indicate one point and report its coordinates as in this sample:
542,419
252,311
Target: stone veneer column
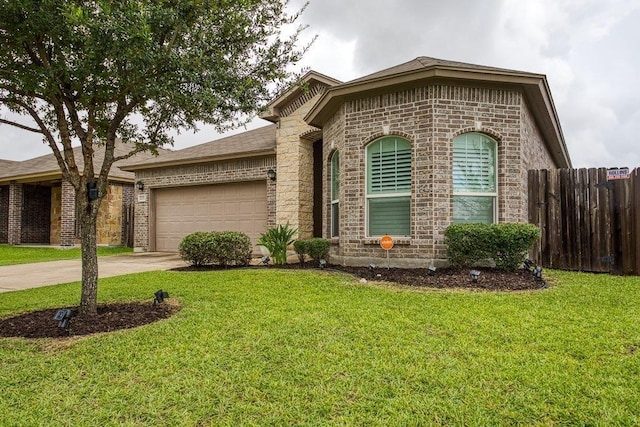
15,214
294,191
68,211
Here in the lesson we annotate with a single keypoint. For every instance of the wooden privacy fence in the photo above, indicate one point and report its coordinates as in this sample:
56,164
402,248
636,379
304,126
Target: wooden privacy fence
588,223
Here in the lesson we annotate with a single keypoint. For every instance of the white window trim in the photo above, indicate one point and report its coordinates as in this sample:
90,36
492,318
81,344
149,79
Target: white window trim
493,194
336,201
368,196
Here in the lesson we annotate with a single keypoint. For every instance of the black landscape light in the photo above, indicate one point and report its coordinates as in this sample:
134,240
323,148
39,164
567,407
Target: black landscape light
372,266
431,271
265,260
63,317
528,264
159,296
474,274
537,273
323,263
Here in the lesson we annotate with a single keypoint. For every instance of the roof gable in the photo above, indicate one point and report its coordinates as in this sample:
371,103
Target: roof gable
298,94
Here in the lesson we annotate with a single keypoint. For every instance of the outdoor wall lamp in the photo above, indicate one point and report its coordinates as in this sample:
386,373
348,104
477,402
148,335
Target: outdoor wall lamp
140,185
474,274
271,174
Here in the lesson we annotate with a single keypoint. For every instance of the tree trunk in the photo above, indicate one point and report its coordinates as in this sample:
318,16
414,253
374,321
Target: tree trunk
88,216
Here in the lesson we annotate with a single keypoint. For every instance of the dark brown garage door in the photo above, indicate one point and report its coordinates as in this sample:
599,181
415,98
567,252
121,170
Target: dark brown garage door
238,206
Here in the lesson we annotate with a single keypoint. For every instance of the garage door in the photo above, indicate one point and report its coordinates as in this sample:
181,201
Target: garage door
238,206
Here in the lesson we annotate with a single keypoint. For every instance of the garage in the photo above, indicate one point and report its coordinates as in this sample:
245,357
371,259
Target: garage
178,211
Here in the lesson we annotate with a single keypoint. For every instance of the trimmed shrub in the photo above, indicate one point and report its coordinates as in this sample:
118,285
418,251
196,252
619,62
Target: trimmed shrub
317,248
506,244
512,242
231,248
467,244
277,239
195,248
300,246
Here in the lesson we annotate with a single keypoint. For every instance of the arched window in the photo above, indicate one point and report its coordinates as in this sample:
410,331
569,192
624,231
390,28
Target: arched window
389,187
474,179
335,194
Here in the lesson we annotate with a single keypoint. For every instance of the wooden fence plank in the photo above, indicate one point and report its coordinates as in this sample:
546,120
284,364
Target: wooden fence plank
586,222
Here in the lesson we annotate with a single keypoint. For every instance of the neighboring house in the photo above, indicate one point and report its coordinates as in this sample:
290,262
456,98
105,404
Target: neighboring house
405,151
38,207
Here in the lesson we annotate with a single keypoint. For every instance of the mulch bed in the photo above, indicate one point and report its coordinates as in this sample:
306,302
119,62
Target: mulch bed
112,317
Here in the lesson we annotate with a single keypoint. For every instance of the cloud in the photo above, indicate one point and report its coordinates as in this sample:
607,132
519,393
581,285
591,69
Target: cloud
586,48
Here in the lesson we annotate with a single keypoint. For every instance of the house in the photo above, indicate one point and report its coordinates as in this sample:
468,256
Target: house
403,152
38,207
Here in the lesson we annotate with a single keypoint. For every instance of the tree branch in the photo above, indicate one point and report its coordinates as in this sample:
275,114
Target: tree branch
18,125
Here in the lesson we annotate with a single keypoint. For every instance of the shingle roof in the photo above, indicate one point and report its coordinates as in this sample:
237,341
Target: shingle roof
254,142
47,166
425,62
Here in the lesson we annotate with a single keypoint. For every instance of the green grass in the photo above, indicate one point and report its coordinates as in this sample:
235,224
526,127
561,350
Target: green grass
10,255
265,347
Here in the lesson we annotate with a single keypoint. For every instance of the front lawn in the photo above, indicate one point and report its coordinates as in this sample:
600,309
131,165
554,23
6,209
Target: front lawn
10,255
269,347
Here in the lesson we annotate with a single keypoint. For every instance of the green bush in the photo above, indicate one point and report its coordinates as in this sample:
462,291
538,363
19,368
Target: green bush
220,248
277,239
506,244
195,248
300,246
316,248
231,248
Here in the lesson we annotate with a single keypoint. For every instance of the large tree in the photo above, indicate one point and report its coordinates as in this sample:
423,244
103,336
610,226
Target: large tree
89,72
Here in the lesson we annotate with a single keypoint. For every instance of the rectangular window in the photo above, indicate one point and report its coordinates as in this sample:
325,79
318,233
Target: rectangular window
473,209
389,215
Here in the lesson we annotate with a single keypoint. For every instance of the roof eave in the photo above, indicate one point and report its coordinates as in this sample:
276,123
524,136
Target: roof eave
198,160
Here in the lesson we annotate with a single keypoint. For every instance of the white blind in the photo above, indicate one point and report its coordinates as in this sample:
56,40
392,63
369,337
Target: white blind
389,166
474,164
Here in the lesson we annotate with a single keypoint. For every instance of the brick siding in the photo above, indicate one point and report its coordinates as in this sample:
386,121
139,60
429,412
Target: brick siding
429,117
4,214
250,169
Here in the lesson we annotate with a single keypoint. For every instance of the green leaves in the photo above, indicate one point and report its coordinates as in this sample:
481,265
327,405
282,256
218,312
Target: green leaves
506,244
277,239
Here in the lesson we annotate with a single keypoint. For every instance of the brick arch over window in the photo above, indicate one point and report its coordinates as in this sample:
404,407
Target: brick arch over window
379,135
492,133
388,186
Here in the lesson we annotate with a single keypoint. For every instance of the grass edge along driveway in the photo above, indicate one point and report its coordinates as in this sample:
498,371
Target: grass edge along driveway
268,347
12,255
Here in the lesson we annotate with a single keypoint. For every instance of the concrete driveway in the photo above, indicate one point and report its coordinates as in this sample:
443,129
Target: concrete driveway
24,276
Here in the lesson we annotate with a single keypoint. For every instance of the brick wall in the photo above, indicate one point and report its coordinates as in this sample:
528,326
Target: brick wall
251,169
15,213
56,215
429,117
4,214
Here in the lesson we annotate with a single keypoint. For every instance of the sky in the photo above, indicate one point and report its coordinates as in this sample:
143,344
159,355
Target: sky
588,49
